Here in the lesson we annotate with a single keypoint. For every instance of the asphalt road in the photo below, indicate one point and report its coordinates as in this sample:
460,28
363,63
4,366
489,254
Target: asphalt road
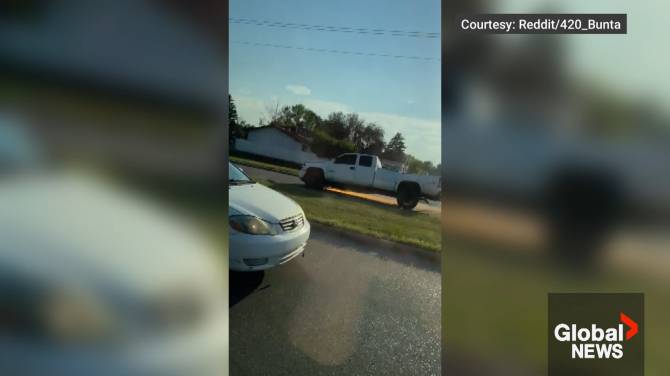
257,173
432,207
352,306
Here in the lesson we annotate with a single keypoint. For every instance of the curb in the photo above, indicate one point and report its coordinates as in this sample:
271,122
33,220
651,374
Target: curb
399,249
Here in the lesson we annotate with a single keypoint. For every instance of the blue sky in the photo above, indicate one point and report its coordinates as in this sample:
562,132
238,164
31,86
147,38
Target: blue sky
398,94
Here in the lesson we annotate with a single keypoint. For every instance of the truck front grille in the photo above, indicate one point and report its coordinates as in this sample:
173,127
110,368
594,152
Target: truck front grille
292,223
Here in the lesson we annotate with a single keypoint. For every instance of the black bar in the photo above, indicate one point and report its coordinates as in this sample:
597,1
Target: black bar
543,23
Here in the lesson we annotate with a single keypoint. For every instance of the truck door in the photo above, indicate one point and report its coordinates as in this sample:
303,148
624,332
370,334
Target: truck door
343,169
365,170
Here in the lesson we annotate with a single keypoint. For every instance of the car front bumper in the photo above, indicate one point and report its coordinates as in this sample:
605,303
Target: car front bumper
260,252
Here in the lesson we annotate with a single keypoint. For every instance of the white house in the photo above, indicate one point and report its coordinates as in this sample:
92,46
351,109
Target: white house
272,142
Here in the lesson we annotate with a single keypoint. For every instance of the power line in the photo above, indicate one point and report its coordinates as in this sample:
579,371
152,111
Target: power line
339,29
342,52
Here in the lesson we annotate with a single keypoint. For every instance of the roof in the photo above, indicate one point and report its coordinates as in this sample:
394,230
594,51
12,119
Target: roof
298,138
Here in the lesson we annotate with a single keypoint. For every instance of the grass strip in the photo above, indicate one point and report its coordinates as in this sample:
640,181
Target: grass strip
364,217
264,166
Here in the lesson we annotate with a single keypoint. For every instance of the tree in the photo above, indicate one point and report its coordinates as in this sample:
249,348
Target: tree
395,149
327,146
414,165
427,167
296,119
417,166
355,126
234,126
273,111
365,138
336,126
372,140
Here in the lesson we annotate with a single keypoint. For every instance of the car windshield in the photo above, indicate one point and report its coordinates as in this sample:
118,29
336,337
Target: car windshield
236,176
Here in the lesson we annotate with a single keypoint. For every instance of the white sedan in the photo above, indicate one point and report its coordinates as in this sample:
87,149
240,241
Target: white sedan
266,228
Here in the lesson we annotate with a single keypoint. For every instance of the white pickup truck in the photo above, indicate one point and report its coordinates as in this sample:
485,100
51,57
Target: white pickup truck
366,171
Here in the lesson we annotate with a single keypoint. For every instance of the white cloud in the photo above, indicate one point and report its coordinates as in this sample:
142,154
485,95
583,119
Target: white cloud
298,89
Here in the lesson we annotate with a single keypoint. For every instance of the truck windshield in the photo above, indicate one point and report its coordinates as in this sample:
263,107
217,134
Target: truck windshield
348,159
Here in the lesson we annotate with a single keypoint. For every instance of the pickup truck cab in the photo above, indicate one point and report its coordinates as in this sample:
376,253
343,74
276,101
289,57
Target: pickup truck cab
366,171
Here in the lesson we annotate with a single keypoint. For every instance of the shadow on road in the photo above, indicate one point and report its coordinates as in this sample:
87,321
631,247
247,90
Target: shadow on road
243,284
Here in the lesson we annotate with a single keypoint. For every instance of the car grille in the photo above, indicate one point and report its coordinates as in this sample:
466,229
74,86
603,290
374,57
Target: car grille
292,223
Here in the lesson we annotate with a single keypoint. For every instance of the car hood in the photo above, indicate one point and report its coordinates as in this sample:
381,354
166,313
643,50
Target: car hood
261,201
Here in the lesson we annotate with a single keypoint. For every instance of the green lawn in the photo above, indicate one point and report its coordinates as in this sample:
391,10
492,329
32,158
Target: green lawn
351,214
367,218
264,165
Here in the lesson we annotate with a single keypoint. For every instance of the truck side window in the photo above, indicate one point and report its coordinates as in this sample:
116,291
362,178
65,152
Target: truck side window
348,159
365,161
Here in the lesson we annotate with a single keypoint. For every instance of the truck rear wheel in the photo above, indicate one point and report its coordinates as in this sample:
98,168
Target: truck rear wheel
407,196
314,178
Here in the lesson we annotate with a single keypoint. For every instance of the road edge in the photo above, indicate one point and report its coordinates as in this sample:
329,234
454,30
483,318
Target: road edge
394,247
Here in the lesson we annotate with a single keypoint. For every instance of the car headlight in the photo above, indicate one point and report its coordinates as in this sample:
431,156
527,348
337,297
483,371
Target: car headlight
251,225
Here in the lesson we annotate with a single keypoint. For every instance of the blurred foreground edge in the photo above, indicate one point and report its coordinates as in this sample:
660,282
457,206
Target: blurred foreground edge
112,148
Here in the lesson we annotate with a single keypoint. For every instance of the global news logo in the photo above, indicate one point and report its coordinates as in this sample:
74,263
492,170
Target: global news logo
595,334
594,342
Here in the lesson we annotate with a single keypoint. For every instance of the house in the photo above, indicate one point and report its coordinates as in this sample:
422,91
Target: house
275,143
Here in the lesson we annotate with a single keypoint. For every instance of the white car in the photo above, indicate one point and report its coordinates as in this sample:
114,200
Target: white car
266,228
98,281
